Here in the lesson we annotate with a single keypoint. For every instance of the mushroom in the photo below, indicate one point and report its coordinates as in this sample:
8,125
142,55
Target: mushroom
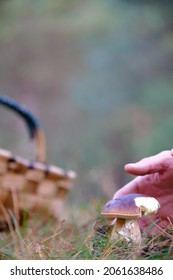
124,212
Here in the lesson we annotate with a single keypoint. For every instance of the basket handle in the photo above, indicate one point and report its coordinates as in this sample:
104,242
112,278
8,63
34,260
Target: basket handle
33,126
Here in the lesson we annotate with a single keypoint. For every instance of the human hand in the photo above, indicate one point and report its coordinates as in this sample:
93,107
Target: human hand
155,178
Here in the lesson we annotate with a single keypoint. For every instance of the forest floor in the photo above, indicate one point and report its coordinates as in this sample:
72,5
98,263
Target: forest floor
84,235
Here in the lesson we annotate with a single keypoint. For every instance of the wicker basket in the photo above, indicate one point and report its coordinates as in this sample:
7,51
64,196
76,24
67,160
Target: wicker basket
29,186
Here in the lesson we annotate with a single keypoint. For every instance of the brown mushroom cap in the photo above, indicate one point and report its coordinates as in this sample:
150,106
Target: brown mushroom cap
130,206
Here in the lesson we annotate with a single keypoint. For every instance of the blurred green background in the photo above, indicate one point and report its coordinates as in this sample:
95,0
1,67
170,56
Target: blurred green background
98,74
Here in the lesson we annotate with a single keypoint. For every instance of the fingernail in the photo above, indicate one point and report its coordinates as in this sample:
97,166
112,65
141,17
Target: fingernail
132,164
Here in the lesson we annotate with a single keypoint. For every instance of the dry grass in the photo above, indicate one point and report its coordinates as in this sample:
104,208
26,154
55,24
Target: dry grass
84,235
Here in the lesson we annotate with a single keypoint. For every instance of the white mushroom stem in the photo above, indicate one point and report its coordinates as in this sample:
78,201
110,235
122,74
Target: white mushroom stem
127,228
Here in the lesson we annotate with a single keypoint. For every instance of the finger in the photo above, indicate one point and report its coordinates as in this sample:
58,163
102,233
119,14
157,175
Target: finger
150,165
152,225
160,227
133,186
